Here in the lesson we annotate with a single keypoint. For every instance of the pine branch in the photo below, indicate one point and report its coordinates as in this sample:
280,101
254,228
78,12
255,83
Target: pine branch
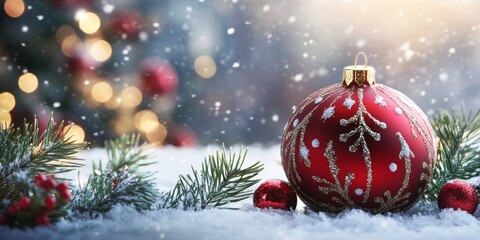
458,154
24,152
119,182
221,181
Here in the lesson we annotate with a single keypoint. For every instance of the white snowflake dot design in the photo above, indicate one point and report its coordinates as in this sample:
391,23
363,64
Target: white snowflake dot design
295,123
398,111
392,167
328,113
358,191
315,143
318,100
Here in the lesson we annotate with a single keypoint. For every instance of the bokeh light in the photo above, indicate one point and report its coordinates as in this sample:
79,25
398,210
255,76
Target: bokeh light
68,45
64,32
157,135
88,22
7,102
102,92
131,97
28,82
146,121
5,118
14,8
100,50
205,66
74,132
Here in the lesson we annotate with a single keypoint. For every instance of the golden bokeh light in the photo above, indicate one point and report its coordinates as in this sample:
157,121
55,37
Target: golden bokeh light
102,92
5,118
146,121
131,97
64,32
74,132
89,22
7,102
100,50
157,135
68,45
14,8
205,66
28,82
123,124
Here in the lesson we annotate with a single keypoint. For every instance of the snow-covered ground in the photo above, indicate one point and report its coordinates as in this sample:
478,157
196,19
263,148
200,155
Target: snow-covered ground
425,222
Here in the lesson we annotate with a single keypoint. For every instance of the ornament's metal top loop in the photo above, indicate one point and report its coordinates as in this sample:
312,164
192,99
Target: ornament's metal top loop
365,58
362,75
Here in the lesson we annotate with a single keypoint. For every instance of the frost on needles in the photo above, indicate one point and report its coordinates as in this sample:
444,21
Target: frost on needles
458,155
119,182
24,152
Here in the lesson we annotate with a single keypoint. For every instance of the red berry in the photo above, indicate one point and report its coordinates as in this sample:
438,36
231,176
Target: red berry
62,187
42,219
3,220
50,183
13,208
24,202
66,196
40,180
114,184
50,201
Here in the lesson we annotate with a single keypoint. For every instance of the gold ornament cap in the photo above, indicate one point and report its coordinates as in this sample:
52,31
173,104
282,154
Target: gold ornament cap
361,75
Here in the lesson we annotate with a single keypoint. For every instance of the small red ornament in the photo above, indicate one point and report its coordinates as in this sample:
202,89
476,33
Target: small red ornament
276,194
458,194
50,201
158,77
127,23
358,144
24,203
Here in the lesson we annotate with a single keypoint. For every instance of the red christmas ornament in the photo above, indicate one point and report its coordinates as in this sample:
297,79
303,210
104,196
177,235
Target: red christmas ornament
276,194
158,77
182,137
458,194
127,23
358,144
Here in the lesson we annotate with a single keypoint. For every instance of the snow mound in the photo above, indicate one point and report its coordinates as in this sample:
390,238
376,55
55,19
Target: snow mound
123,222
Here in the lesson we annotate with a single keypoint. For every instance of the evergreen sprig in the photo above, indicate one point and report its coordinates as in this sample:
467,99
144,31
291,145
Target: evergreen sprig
221,180
458,154
118,183
24,152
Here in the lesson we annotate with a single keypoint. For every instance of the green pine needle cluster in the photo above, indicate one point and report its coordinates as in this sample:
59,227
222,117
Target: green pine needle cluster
221,180
119,182
24,152
458,155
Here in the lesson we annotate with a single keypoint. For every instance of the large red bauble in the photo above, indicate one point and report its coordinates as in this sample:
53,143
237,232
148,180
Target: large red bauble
276,194
458,194
358,144
158,76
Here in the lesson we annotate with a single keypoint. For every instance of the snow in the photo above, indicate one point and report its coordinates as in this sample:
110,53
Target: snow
421,222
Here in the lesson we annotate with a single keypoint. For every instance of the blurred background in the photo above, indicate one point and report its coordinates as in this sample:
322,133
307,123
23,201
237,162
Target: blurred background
187,72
